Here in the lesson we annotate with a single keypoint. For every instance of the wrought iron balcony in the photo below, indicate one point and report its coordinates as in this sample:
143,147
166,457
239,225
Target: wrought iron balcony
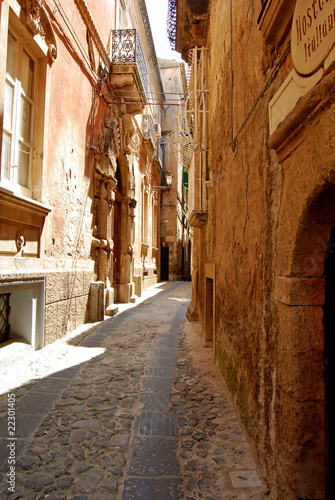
158,155
149,132
128,70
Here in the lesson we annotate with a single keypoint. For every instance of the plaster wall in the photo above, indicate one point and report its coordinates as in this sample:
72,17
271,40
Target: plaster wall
70,198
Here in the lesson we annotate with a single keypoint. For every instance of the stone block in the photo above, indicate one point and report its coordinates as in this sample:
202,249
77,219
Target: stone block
97,301
138,285
124,293
56,286
300,291
51,323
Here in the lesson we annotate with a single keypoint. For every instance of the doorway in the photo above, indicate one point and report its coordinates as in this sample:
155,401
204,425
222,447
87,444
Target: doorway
329,324
117,230
209,310
164,263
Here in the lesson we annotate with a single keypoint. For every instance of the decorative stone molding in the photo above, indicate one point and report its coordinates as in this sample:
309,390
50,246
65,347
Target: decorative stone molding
20,241
108,144
294,87
38,22
89,23
146,182
275,20
128,132
307,109
21,224
144,248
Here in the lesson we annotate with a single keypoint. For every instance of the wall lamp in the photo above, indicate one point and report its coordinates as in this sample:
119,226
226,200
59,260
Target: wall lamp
168,178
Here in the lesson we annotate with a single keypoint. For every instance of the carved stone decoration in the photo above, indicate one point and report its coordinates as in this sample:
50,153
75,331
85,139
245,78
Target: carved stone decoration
128,132
33,16
20,241
107,145
99,147
146,182
38,22
155,198
132,203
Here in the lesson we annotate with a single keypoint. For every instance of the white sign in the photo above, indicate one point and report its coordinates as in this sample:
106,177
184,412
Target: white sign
313,34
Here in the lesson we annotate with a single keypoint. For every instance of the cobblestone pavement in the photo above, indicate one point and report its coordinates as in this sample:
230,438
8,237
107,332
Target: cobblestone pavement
143,414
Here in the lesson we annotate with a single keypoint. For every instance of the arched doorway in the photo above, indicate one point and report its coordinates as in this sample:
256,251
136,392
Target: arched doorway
117,230
329,324
304,293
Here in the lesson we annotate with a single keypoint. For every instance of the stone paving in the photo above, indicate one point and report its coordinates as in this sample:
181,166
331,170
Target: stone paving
147,417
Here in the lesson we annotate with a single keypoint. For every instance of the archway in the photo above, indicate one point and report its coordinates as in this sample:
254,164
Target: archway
303,343
329,324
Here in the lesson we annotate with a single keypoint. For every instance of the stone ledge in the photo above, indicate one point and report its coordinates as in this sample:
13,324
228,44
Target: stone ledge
295,291
306,110
275,20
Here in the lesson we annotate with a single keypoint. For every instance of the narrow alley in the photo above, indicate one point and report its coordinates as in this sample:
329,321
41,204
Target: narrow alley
146,417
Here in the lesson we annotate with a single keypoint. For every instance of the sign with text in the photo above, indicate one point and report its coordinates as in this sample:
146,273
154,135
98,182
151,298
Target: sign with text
313,34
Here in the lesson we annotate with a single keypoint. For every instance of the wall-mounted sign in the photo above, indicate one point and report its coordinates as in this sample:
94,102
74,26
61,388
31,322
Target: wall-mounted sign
313,34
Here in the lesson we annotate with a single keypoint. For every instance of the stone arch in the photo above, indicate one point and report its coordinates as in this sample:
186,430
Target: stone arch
313,232
300,298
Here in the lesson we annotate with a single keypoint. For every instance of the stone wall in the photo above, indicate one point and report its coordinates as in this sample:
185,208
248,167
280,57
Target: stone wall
271,211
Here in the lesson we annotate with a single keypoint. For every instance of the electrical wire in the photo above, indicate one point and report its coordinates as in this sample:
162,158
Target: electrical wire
262,92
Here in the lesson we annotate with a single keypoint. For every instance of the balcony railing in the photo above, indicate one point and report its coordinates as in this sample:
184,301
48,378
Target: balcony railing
149,130
126,49
158,155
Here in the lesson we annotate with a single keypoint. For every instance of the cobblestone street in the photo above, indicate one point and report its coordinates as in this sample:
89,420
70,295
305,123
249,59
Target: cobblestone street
145,417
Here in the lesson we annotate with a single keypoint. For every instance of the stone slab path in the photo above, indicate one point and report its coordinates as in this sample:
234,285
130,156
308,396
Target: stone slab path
144,416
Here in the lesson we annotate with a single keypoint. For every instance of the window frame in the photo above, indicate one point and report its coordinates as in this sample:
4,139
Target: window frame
12,182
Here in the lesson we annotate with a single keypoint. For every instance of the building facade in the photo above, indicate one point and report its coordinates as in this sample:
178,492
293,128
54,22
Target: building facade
175,232
262,207
79,221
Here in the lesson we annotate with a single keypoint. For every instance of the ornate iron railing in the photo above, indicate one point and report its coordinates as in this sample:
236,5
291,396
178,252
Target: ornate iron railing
4,317
126,49
171,24
148,129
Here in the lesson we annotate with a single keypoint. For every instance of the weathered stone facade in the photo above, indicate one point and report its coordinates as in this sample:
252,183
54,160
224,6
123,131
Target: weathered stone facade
175,232
73,102
263,268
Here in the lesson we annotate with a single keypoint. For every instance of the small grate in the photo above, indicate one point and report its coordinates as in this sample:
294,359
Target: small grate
4,317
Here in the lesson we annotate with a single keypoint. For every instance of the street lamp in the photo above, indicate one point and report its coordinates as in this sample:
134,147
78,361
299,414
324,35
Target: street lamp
168,178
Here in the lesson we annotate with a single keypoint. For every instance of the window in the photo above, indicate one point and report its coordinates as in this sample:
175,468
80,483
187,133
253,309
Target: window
121,14
17,147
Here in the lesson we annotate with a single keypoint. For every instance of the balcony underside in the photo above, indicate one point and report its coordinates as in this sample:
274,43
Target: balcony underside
126,83
198,218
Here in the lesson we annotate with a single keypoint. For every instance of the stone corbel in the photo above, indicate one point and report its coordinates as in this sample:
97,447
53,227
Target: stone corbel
39,23
144,249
